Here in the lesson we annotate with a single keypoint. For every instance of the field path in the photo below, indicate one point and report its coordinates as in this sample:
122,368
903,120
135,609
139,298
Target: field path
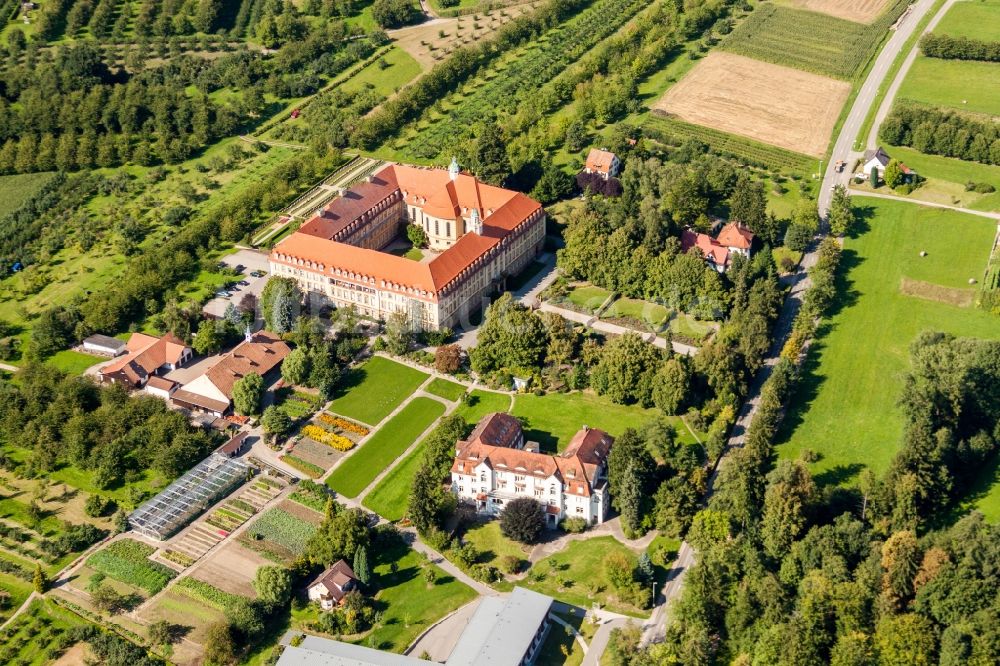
842,149
890,95
893,197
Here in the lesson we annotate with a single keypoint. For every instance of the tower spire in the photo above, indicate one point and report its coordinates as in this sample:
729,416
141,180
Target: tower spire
453,168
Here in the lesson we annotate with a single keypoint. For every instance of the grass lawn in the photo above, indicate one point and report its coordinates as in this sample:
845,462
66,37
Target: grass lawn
582,565
74,362
651,313
482,403
845,406
553,419
561,638
411,604
492,544
946,179
376,454
15,190
446,389
688,329
975,20
399,69
371,391
588,297
18,591
390,497
964,85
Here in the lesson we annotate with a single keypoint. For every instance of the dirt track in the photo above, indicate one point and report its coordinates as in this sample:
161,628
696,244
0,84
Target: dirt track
769,103
859,11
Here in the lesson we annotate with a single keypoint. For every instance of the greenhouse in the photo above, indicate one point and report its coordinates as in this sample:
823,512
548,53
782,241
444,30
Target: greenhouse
199,488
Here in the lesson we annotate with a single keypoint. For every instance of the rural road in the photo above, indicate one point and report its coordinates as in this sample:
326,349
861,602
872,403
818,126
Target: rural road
843,148
654,630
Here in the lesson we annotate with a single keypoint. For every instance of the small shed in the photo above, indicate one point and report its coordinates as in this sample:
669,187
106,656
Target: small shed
234,446
104,345
161,387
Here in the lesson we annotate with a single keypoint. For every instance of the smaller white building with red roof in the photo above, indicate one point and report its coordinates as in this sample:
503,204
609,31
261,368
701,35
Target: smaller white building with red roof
146,356
602,162
733,239
495,465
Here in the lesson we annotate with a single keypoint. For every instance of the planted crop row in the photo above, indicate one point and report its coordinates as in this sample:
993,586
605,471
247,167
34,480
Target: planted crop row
507,85
303,466
211,595
673,131
127,561
283,529
811,41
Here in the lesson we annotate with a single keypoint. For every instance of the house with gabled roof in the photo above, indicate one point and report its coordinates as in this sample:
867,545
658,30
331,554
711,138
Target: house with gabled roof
602,162
212,392
331,586
495,465
733,239
146,356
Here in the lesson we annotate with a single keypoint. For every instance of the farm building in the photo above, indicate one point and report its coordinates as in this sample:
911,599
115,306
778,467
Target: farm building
147,356
331,586
180,502
212,392
161,387
602,162
103,345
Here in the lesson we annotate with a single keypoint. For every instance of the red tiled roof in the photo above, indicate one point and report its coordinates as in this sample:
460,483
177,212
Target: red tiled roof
261,354
735,234
502,211
161,383
600,160
146,353
185,398
336,580
713,251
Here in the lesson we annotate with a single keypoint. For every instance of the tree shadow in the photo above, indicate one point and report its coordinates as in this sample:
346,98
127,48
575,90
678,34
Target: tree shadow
863,215
838,475
350,379
546,442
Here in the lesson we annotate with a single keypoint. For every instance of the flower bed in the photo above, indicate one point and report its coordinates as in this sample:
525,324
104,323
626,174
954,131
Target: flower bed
324,436
343,424
303,466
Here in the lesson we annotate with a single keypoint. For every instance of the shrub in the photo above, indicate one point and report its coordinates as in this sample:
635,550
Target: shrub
510,564
573,525
522,520
97,506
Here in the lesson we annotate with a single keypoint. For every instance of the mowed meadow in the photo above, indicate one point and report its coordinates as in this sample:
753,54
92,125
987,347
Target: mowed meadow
845,409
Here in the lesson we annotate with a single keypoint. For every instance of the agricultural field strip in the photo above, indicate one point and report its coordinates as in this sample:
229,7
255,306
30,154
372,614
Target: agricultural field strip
810,41
526,70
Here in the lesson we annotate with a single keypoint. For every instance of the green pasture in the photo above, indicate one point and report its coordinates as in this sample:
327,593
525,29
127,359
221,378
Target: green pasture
386,74
480,403
16,189
975,20
845,407
371,391
381,450
958,84
946,178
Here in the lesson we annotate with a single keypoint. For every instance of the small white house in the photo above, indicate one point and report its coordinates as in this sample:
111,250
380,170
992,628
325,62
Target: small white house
875,159
603,162
331,586
104,345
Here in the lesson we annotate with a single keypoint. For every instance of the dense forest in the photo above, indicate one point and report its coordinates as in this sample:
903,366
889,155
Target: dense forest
947,133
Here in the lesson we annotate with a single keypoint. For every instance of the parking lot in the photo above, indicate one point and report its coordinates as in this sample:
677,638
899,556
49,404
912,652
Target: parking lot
250,260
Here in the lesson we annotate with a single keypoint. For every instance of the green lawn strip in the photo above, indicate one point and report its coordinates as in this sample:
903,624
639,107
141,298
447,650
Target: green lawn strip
127,561
17,589
16,189
781,252
401,69
378,452
652,314
845,408
492,545
73,362
411,605
211,595
374,389
688,329
390,497
553,419
975,20
958,84
282,528
446,389
588,297
581,565
480,403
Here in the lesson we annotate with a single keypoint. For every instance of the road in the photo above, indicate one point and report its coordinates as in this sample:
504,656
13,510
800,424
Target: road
843,149
654,629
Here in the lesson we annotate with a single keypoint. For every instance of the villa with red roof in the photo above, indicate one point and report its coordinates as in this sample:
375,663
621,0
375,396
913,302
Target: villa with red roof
478,235
733,239
146,356
495,465
602,162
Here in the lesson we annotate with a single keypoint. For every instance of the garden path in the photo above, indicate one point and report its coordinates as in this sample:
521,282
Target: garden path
616,329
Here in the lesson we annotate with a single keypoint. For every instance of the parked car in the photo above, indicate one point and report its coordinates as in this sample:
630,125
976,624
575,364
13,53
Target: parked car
243,283
223,294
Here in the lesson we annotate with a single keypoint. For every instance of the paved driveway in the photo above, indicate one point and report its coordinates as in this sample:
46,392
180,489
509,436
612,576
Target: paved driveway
251,260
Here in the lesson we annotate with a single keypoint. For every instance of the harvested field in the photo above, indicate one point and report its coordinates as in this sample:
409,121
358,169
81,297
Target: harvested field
956,296
231,569
861,11
776,105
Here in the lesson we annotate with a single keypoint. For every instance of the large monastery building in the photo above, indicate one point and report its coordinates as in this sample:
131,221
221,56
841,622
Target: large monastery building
478,235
